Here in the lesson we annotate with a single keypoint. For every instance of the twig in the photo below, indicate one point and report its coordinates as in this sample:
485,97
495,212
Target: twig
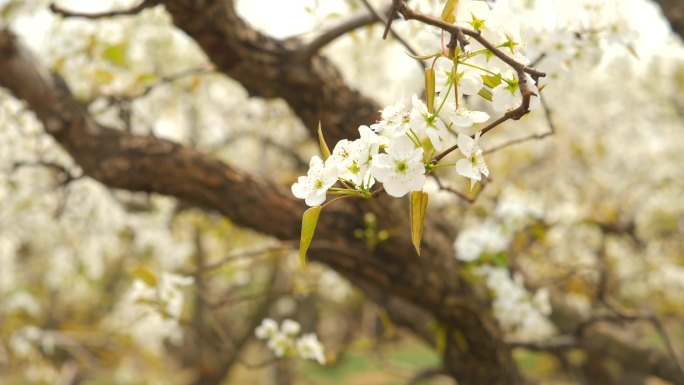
282,246
99,15
355,21
549,122
384,20
554,344
458,193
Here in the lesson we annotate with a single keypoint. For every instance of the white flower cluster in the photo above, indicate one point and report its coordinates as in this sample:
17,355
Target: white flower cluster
151,313
283,342
518,311
399,149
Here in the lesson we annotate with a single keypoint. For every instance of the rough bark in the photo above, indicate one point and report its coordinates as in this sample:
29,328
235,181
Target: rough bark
673,10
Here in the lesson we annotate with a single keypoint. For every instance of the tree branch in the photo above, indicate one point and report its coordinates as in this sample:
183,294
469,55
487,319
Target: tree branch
124,12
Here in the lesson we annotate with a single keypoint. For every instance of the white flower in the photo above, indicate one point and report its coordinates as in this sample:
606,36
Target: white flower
472,13
313,187
444,74
469,80
473,166
401,169
422,121
506,96
465,118
473,241
290,327
394,120
469,246
353,158
310,348
267,329
542,301
280,344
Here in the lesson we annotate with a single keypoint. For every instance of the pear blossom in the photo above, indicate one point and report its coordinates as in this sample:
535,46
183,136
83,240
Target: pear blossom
473,166
280,344
353,157
465,118
310,348
422,121
506,96
472,13
394,120
290,327
267,329
313,187
469,80
401,169
283,341
444,74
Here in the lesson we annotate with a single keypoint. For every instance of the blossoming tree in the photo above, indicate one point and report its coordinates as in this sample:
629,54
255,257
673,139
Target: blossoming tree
242,152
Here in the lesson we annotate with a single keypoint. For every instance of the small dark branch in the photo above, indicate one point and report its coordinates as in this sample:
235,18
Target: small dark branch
250,297
124,12
538,60
163,80
658,324
426,374
280,247
654,320
459,194
172,78
396,4
555,344
65,176
385,21
356,21
602,285
614,313
517,141
549,122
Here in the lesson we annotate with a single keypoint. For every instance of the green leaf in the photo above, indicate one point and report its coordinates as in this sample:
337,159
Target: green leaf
325,151
485,94
146,275
309,221
424,57
419,201
448,11
116,54
430,89
491,81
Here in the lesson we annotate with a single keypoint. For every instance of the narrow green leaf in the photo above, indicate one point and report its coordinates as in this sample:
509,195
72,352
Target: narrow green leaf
448,11
491,81
309,221
419,202
485,94
430,89
424,57
325,151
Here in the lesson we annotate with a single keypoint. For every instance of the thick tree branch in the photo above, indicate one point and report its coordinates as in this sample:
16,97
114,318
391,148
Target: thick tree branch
673,10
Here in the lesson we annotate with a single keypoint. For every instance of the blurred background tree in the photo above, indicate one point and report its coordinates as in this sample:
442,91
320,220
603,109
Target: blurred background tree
147,227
